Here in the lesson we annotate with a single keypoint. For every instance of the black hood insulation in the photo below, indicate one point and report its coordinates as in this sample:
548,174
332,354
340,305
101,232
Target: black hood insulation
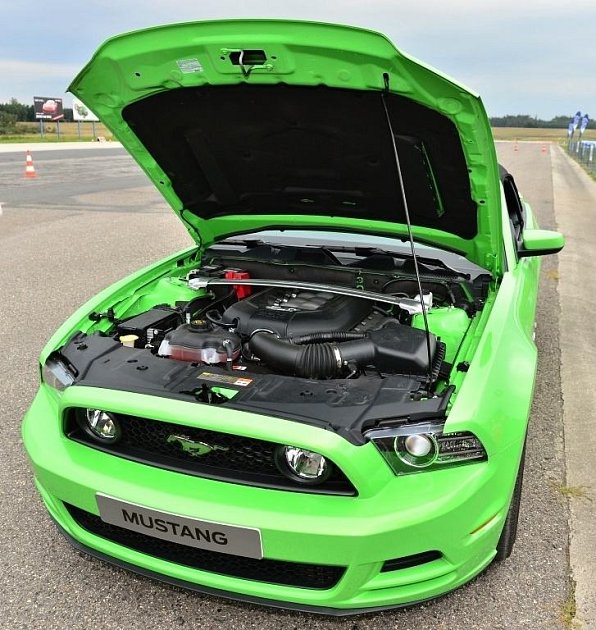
293,150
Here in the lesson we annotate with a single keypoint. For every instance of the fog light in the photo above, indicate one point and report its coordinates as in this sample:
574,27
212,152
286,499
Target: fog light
418,445
302,465
102,425
418,449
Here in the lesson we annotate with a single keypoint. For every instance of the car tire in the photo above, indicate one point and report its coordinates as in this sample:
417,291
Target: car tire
509,533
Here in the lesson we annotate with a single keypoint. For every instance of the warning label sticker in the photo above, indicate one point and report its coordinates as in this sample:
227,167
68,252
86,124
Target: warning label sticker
187,66
225,378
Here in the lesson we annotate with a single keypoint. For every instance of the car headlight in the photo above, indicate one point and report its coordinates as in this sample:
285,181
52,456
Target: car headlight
57,373
410,448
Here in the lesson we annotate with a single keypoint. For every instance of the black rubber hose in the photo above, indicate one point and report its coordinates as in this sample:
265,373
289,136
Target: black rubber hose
312,361
191,306
316,360
319,337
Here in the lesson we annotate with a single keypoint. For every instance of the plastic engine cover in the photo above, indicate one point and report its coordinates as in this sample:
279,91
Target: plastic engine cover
291,312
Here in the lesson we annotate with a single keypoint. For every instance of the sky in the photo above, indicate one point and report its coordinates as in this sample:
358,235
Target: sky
535,57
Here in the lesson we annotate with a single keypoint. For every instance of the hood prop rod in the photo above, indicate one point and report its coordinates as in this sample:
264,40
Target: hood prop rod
402,188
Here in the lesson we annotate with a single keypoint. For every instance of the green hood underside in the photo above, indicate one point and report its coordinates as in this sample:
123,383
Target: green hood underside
245,125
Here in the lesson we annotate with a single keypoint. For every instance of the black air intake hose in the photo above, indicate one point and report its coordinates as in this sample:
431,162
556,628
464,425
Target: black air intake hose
392,349
315,360
319,337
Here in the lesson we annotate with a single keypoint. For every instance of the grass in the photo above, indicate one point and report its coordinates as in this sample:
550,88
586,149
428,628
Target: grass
572,492
522,134
589,168
567,613
69,132
30,139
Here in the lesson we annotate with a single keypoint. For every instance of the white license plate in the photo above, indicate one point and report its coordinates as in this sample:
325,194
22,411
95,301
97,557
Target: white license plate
193,532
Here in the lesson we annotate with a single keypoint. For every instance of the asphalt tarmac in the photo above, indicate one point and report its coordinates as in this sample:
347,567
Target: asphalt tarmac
88,219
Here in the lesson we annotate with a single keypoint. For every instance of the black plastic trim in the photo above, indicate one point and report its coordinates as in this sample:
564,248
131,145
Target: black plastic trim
528,253
355,406
302,575
396,564
236,597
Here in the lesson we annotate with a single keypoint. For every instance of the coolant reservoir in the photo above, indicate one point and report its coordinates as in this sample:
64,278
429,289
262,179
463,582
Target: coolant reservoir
449,323
200,342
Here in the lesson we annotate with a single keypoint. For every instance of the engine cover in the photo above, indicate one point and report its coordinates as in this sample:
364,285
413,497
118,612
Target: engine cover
291,312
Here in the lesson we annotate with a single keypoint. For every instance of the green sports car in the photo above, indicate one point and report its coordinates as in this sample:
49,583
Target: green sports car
322,405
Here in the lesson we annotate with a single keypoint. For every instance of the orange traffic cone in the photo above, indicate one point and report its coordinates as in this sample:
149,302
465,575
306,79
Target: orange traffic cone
29,168
544,148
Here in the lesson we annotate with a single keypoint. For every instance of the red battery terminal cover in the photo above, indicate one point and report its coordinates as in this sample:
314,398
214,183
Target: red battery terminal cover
242,290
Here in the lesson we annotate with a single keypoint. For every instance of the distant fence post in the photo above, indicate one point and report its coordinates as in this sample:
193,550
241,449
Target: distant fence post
582,151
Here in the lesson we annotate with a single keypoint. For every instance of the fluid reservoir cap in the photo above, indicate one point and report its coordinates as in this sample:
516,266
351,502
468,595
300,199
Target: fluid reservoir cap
200,325
128,340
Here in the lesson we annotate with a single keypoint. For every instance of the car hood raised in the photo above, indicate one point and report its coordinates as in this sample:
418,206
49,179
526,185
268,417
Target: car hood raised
244,125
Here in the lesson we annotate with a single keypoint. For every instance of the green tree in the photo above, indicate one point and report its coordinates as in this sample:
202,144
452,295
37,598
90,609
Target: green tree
7,123
24,113
524,120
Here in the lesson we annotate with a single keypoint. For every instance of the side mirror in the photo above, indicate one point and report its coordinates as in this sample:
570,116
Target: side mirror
540,243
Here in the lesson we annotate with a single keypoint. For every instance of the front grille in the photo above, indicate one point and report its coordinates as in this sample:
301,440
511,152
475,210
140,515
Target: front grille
234,458
313,576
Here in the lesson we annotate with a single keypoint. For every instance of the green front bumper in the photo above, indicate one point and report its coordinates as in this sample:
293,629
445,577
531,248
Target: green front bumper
458,512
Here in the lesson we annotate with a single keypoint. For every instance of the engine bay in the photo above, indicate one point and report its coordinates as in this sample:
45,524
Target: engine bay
337,338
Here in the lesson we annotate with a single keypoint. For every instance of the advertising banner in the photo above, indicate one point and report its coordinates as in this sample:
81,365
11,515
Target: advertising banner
80,111
48,108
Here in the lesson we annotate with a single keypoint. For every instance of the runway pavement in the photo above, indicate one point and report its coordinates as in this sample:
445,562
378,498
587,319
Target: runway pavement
89,218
